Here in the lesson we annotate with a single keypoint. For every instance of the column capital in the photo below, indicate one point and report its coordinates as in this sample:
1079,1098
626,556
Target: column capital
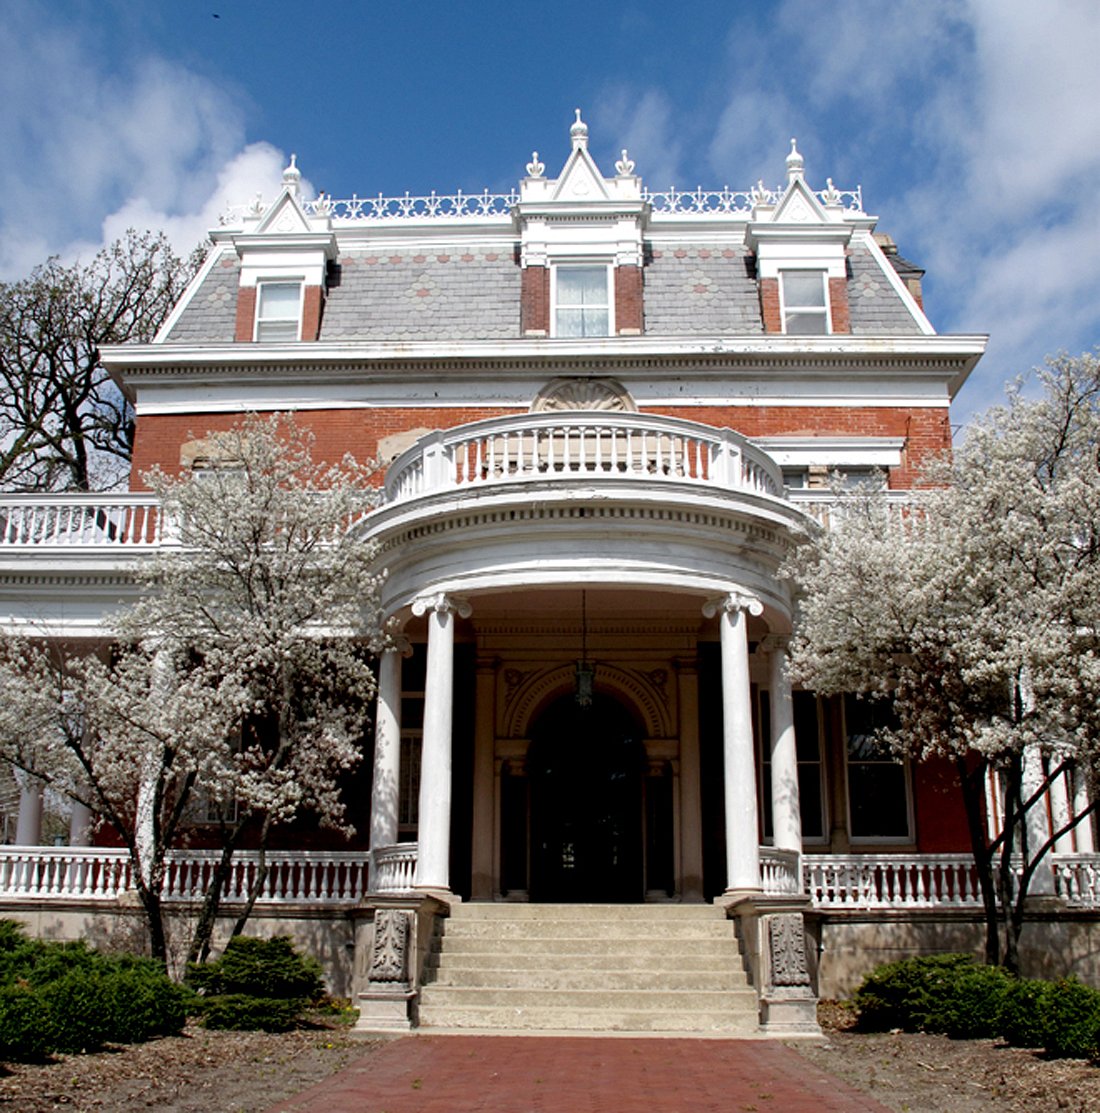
442,602
775,643
733,601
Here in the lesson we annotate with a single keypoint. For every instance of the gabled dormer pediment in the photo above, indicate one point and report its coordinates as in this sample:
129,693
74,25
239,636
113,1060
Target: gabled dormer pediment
798,205
284,217
580,179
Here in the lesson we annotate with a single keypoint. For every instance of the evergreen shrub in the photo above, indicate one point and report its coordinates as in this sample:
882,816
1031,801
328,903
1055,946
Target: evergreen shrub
906,994
1072,1020
66,997
257,983
1023,1013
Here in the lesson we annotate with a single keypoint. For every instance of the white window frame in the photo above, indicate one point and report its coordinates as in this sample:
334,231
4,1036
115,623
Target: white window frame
582,264
824,310
261,321
876,840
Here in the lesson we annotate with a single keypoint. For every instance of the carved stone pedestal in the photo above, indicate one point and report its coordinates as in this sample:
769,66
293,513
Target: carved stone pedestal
384,1003
773,937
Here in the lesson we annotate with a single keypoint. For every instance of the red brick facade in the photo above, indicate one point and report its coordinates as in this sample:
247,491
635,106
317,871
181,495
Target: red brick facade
534,306
312,307
246,314
629,307
838,305
927,432
769,305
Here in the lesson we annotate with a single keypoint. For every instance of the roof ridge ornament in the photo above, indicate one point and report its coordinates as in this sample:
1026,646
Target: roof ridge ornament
625,166
292,177
535,169
795,163
579,132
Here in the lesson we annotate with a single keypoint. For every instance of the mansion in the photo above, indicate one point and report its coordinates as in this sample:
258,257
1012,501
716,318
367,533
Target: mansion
605,415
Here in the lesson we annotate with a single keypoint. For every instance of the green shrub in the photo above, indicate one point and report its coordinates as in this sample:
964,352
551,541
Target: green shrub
906,994
25,1023
239,1011
66,997
971,1004
259,968
1023,1013
1072,1016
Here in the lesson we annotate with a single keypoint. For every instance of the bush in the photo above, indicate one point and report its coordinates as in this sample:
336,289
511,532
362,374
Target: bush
257,983
66,997
972,1003
240,1012
1023,1013
908,993
1072,1018
259,968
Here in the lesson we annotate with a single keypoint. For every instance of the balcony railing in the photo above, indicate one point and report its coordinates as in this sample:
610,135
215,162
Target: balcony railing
576,447
394,868
879,881
71,520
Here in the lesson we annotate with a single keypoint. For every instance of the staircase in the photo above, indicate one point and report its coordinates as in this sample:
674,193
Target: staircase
588,968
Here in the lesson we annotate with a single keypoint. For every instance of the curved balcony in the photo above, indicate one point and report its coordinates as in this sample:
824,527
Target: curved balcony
580,446
558,498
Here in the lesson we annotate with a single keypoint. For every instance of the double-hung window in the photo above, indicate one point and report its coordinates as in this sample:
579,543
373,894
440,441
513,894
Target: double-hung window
805,302
878,783
582,300
279,311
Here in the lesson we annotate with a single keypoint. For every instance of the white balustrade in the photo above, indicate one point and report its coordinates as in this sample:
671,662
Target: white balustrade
1077,878
395,868
61,520
104,873
830,509
582,446
779,872
871,881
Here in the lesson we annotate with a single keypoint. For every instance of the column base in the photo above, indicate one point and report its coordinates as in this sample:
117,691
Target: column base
789,1016
384,1008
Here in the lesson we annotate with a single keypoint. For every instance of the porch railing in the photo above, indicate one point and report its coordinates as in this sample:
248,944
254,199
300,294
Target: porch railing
105,873
875,881
578,446
1077,879
393,868
779,871
66,520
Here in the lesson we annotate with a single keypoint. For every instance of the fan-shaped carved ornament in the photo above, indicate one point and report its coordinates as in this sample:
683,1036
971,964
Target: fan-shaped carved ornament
583,394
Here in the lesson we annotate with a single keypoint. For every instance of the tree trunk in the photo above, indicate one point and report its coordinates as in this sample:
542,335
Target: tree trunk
971,782
258,881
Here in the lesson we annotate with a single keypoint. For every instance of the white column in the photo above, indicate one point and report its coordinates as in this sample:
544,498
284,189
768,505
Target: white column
80,825
1082,833
28,825
1035,819
742,826
386,781
786,807
1059,809
434,838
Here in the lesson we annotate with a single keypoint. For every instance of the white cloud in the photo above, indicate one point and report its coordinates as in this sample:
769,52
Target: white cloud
643,123
151,144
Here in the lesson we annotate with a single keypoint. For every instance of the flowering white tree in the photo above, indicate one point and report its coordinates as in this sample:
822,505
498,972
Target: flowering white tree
977,614
238,682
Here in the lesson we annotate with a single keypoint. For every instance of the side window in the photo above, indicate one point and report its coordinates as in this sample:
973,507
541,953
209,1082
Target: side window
413,672
805,303
279,311
811,768
581,301
878,783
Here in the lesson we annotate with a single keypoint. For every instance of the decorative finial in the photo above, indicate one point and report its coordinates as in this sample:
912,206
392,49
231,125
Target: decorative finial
292,176
579,131
795,163
535,169
831,196
625,166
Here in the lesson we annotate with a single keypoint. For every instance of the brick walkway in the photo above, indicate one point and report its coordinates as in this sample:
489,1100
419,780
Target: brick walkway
568,1074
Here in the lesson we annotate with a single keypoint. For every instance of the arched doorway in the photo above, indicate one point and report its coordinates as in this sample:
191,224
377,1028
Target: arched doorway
585,767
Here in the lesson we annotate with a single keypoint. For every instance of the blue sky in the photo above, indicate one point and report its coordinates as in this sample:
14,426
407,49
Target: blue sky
973,126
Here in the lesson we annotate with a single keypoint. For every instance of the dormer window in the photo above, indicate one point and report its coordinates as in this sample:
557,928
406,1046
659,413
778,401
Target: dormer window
279,311
805,296
581,300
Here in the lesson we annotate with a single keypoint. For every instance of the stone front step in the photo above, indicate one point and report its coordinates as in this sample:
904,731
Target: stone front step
549,1018
593,978
623,968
